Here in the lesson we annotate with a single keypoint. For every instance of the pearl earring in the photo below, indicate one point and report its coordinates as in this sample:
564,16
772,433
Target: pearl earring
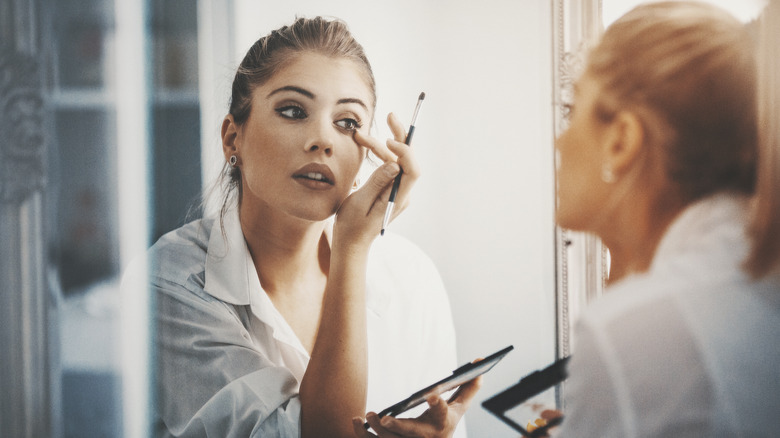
607,175
233,160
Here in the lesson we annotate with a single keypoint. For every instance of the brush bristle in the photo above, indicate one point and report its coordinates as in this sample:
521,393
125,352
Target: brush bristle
422,95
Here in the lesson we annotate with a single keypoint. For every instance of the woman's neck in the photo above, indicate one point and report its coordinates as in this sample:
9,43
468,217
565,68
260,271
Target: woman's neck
289,254
633,236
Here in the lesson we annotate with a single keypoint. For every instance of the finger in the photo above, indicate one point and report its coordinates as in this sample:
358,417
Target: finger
379,180
359,428
435,420
437,409
403,427
406,157
551,414
454,397
396,127
411,173
379,426
375,191
377,147
462,398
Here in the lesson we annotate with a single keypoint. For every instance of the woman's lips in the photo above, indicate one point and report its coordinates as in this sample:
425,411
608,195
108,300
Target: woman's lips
315,176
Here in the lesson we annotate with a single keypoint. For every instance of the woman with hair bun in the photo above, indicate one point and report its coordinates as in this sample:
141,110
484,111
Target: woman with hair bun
670,159
283,317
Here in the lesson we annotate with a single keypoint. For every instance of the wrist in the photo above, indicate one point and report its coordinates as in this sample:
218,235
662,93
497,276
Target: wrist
351,245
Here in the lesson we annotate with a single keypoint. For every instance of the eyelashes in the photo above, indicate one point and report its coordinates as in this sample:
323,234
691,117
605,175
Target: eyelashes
296,112
292,112
349,124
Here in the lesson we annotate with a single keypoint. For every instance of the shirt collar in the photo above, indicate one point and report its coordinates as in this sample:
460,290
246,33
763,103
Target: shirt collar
228,262
694,228
231,275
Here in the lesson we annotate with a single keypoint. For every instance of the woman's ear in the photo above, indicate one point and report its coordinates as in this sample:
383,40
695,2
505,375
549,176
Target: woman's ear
230,141
624,142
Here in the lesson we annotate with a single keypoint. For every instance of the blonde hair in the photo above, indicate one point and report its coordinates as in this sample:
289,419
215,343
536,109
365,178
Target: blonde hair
690,70
765,225
687,70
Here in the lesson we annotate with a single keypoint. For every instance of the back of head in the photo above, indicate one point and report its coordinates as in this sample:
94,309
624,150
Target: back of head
688,70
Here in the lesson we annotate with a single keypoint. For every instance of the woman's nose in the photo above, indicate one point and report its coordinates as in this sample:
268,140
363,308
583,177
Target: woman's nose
321,137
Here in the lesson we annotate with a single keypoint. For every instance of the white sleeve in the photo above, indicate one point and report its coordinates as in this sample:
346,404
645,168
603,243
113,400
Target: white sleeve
411,332
438,328
211,380
636,371
440,336
591,409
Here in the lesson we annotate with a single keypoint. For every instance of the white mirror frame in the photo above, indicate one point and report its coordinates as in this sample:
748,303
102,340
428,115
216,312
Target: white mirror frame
581,259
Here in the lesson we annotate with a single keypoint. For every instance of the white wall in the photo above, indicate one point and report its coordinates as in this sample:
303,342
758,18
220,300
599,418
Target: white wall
483,209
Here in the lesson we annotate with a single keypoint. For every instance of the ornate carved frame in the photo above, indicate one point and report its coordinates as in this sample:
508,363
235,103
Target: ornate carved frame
27,310
581,259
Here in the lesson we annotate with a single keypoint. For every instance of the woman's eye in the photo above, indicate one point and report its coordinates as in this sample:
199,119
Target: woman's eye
292,112
348,124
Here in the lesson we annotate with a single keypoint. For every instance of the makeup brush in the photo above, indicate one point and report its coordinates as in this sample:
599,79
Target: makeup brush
397,181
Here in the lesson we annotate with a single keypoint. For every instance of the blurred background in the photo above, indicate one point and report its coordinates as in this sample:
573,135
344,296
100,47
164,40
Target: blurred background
110,131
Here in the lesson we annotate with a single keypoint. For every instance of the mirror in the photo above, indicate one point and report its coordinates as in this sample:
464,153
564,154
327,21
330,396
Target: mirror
483,208
132,94
115,110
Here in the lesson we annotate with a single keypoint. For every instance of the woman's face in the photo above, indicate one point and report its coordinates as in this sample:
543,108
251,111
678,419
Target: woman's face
581,192
296,149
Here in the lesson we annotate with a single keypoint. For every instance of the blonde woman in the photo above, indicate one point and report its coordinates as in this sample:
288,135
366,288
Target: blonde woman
282,317
660,161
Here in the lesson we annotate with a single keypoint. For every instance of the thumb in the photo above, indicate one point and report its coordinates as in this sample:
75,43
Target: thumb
381,178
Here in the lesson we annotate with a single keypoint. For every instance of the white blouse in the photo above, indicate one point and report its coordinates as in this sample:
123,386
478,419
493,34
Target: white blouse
690,348
229,365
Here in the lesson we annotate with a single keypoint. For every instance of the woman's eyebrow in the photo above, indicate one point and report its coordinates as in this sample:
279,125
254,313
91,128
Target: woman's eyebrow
353,100
311,95
293,88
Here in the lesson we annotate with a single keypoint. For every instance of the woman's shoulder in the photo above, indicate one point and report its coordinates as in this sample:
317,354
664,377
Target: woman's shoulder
400,269
181,251
195,233
396,252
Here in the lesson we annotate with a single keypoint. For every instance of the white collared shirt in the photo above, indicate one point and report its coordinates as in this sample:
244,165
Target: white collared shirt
228,364
688,349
